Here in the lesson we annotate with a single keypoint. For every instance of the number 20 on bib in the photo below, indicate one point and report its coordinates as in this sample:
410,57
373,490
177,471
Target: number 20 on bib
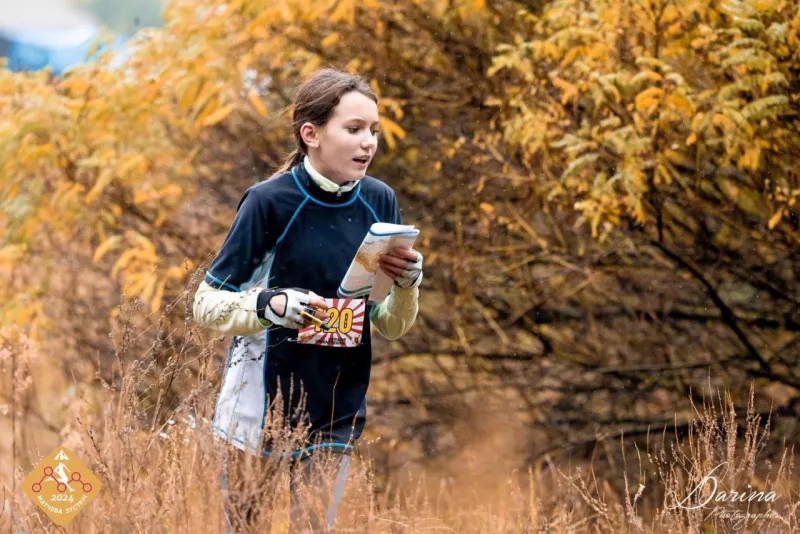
346,318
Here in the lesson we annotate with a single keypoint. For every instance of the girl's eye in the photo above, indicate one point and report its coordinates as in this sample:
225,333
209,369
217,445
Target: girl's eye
376,133
352,130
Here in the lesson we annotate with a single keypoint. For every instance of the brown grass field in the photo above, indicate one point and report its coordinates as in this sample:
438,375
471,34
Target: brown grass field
145,435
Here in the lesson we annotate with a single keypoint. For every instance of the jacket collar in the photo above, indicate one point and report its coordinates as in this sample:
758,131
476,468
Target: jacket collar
324,183
310,186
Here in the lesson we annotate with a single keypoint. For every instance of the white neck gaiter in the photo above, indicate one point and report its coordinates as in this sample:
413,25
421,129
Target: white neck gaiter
324,183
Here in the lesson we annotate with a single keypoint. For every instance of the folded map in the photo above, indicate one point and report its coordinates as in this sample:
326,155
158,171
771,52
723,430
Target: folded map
364,277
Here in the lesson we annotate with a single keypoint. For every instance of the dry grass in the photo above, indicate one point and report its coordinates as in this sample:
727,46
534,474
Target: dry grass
143,428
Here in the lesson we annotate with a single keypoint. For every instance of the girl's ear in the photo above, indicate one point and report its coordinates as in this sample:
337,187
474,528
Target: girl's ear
310,135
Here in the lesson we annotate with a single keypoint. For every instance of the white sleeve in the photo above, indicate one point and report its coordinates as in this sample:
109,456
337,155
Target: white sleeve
229,312
396,314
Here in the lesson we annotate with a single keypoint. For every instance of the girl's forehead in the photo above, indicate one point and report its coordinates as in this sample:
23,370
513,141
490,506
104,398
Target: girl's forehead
356,106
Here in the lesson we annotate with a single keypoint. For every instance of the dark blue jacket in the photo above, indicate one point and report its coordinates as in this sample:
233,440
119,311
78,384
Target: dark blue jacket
288,232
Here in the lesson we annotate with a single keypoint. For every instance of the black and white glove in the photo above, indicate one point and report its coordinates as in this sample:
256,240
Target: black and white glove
411,276
295,300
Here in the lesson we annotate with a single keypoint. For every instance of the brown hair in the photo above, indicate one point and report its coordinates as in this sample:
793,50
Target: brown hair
316,99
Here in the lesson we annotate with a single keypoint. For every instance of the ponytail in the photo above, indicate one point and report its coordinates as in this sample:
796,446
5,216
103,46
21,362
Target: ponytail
294,158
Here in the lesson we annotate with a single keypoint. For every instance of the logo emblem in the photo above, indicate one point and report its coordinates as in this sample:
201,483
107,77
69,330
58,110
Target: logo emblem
61,485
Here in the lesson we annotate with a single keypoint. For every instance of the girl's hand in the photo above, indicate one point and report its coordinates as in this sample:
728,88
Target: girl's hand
403,265
285,306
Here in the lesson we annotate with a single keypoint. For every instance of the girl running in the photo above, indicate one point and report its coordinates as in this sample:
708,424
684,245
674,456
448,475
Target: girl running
289,247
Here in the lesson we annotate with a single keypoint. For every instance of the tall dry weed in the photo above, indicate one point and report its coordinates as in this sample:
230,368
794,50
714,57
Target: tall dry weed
141,423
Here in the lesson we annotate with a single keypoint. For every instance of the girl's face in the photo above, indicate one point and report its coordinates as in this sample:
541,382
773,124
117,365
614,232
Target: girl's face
343,148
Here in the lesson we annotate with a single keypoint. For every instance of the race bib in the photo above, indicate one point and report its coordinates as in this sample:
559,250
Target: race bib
346,320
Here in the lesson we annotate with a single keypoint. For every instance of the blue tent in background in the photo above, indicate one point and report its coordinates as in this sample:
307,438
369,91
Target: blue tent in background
39,33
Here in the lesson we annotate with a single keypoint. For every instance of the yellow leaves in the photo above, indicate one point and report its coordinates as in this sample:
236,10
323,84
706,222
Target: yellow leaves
730,189
481,184
495,153
126,258
102,182
24,312
662,175
150,287
65,192
13,191
385,104
570,56
106,246
569,91
217,116
188,90
75,85
598,51
674,29
10,254
750,159
170,190
330,40
653,63
697,120
135,238
487,208
645,75
655,104
313,63
175,273
100,158
680,103
255,101
721,121
648,98
775,219
345,11
768,106
143,252
580,163
39,152
636,208
739,120
68,141
390,130
135,284
608,86
149,284
204,103
184,168
678,158
137,161
138,266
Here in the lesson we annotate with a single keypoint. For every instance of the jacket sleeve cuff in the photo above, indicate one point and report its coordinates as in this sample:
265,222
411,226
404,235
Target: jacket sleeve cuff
395,316
403,302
